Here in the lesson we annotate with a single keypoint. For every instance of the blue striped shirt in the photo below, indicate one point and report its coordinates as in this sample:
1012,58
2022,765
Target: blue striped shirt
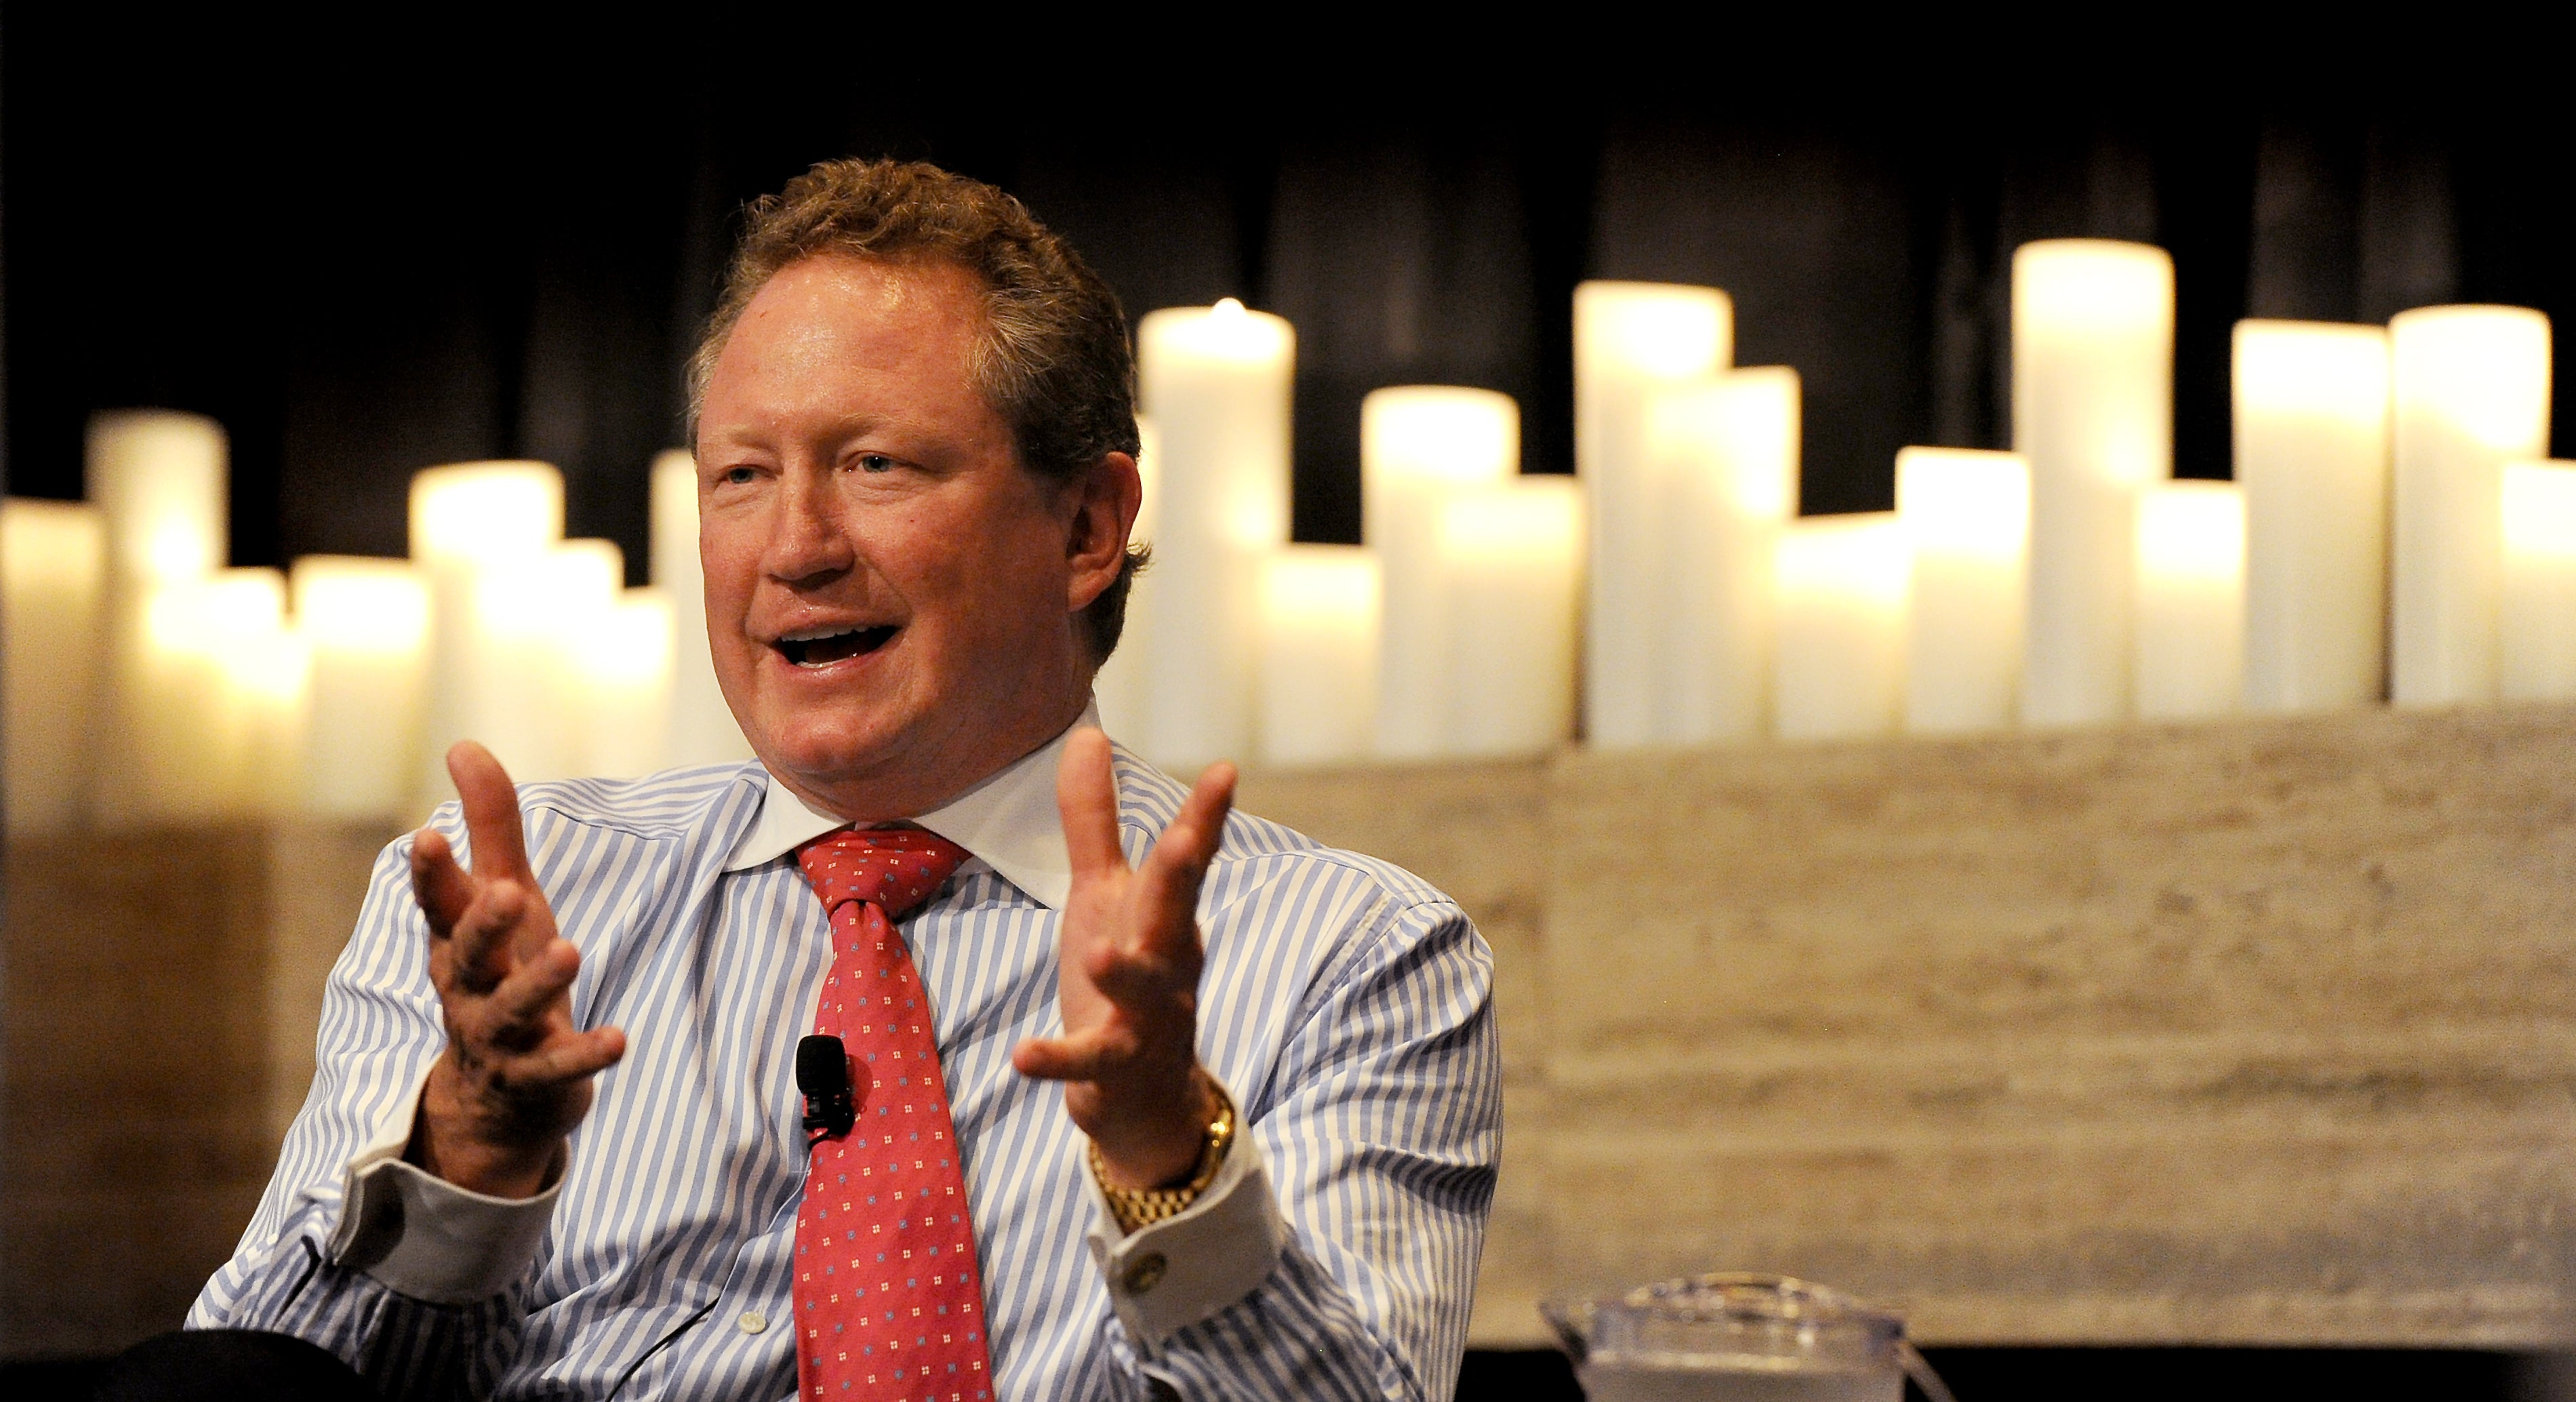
1345,1003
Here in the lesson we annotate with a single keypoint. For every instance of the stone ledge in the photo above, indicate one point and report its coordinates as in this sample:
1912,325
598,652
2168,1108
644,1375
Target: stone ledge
163,986
2254,1032
2246,1032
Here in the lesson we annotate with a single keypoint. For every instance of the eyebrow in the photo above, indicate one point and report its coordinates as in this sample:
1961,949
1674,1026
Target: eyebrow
757,432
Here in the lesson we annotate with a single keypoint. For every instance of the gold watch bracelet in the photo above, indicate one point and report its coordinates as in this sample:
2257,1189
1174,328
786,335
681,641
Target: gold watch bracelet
1142,1207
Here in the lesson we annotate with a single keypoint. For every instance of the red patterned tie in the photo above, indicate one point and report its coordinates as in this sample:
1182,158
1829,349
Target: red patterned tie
888,1304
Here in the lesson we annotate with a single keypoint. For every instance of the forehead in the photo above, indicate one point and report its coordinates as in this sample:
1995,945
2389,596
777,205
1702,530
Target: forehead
830,324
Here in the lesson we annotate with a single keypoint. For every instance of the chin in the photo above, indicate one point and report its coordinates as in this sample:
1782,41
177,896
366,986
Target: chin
829,750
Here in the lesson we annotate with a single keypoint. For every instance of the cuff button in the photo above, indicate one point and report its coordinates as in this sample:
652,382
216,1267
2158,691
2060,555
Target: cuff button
1144,1273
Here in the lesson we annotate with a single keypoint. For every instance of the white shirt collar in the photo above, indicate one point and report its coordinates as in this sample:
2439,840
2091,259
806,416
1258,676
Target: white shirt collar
1010,821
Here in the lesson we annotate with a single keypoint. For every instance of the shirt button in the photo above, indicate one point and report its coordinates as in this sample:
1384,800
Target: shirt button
752,1321
1145,1272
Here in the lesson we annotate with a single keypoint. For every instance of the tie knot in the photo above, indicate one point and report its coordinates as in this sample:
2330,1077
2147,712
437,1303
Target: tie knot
894,869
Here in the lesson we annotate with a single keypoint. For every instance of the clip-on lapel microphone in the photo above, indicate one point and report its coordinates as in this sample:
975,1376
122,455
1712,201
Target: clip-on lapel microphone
823,1074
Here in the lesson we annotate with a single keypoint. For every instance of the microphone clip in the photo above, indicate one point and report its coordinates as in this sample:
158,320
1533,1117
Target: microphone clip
823,1074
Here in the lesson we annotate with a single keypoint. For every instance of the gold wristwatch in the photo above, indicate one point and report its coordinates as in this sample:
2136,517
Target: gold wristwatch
1142,1207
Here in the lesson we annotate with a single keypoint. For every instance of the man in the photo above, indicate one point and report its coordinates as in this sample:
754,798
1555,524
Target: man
1221,1106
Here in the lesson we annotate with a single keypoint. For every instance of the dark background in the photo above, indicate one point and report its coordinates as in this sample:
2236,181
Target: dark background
369,249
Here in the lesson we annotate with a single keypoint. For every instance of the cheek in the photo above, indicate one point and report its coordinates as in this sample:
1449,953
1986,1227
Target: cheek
997,560
729,560
1026,575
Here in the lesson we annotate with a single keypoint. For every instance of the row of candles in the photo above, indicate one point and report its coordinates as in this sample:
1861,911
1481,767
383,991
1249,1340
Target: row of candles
146,683
2390,531
1452,631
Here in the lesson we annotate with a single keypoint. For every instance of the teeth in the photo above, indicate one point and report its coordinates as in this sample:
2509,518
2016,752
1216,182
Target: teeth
821,647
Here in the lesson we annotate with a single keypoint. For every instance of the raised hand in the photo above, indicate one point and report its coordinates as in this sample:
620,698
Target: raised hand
1128,975
515,1077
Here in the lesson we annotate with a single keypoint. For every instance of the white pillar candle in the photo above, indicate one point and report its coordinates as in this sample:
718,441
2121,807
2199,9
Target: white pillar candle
1121,685
2190,631
467,520
622,685
2092,405
160,478
366,623
1419,446
1513,556
532,617
53,573
482,511
1216,379
1631,339
702,728
1319,653
270,672
1967,521
1726,450
2312,459
1841,662
2472,392
178,741
218,683
2536,614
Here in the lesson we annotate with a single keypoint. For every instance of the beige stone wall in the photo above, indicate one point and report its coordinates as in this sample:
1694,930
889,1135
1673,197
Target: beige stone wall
1479,832
2261,1031
162,988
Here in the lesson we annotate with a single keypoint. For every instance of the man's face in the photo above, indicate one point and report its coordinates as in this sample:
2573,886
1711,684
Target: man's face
890,596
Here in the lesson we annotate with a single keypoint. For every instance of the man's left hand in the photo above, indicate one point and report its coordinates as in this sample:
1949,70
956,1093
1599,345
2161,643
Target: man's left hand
1128,975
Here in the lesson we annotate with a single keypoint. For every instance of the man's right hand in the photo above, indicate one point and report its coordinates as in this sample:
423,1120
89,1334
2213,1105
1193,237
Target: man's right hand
515,1077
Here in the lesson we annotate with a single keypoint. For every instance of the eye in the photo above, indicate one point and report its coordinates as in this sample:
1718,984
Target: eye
738,475
875,462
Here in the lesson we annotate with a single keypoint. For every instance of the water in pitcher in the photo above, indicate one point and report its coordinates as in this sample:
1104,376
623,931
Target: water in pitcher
1738,1338
1742,1378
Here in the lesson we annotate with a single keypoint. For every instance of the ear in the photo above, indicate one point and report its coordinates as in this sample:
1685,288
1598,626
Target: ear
1105,500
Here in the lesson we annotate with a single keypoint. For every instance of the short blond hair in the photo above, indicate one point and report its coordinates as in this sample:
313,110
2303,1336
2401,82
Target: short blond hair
1054,360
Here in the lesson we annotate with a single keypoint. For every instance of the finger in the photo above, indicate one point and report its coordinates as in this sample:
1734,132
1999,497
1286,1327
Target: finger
483,933
568,1057
1086,797
1179,862
1194,835
524,1001
442,888
1153,966
1145,980
491,811
1088,1057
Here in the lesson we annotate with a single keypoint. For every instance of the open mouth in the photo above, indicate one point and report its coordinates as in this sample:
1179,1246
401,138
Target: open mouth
821,647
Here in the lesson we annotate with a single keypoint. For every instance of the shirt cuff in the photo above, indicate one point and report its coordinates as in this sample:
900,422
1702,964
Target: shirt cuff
1171,1274
422,1236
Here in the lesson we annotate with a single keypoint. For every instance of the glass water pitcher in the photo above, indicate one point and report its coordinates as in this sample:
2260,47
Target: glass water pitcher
1738,1338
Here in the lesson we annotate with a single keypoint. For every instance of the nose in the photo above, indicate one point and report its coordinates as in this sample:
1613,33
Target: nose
809,541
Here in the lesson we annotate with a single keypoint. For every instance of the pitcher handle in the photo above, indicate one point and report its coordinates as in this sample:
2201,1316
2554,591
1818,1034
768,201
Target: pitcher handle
1919,1369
